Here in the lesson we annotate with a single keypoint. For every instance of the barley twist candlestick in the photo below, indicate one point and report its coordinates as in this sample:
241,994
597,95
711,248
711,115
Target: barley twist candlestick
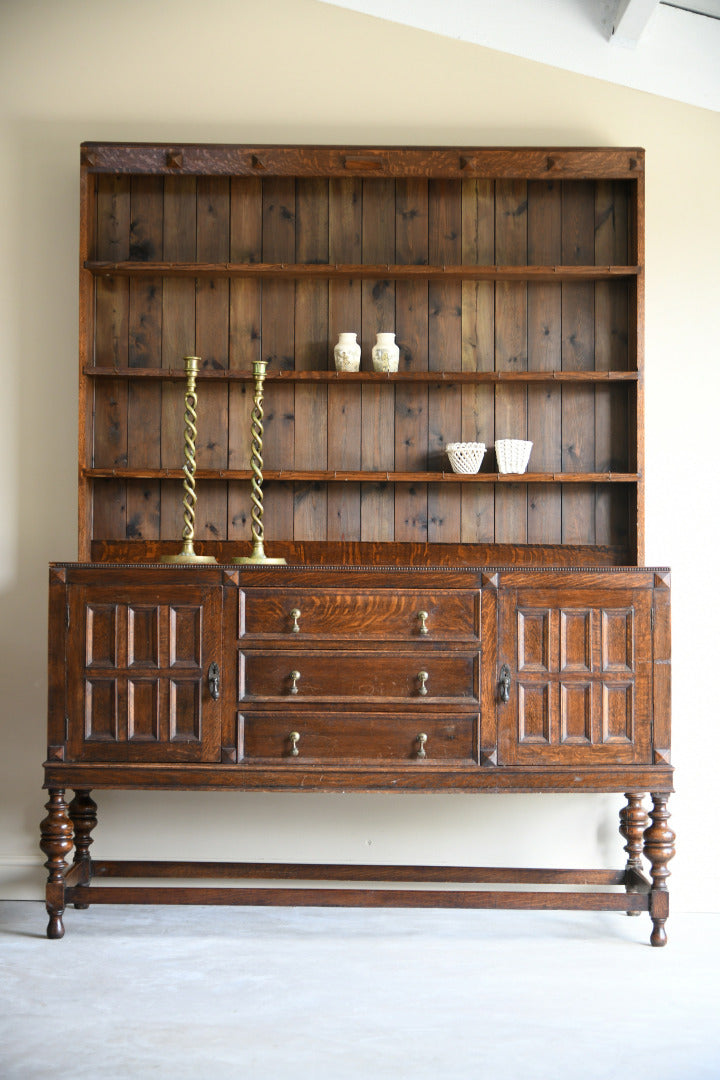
256,464
187,555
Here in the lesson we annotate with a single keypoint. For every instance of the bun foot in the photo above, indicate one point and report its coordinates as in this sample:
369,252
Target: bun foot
658,938
55,928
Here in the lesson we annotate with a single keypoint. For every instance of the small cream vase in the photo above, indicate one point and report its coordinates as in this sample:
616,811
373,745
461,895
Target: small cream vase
385,353
347,353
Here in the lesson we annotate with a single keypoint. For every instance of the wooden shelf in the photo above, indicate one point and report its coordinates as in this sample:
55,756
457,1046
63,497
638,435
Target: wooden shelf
319,376
333,475
380,271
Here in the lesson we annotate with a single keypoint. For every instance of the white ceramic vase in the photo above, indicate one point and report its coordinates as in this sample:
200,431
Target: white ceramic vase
347,353
385,353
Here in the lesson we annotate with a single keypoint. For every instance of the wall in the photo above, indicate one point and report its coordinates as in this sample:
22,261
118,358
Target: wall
300,71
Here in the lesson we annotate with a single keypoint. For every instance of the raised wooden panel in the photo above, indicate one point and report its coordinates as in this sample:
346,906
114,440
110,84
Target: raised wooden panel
101,636
533,711
185,712
576,640
185,649
576,714
143,709
533,640
101,710
617,712
617,640
143,647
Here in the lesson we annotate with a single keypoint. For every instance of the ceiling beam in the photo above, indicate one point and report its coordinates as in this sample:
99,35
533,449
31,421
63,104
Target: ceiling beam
631,18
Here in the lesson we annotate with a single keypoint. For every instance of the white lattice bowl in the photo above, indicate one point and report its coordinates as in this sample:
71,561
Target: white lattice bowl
512,455
465,457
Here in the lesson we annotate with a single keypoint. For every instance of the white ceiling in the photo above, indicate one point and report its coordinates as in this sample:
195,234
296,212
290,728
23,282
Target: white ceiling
665,47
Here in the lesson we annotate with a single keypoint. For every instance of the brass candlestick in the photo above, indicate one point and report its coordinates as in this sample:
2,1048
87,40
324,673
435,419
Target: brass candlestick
256,464
187,555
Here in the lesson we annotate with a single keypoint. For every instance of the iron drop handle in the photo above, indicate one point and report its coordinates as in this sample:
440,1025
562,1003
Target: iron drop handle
214,681
505,683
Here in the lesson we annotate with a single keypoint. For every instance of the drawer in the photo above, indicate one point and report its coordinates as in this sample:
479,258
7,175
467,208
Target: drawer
345,737
417,676
389,614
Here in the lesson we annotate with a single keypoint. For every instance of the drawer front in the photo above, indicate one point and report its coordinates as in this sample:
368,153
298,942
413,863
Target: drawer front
418,677
351,737
411,615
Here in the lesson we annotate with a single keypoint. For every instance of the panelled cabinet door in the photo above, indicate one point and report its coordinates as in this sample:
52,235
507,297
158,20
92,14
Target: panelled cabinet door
580,667
139,673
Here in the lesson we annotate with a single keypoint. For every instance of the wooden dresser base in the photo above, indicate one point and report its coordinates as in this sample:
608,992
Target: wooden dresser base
67,826
359,679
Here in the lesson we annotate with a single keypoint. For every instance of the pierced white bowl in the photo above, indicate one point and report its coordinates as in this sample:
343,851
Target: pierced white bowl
512,455
465,457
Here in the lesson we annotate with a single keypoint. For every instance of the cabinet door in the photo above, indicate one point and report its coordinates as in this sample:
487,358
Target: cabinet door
580,676
138,673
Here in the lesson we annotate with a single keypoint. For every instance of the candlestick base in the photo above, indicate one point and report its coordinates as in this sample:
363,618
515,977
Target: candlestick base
258,556
187,555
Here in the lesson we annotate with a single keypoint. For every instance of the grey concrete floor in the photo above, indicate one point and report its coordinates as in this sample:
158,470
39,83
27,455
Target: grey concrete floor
283,994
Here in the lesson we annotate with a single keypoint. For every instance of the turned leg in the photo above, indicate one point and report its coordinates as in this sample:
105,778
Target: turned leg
56,842
659,849
633,822
83,814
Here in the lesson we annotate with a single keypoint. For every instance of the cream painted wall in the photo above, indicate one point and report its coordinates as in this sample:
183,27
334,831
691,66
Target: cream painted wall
301,71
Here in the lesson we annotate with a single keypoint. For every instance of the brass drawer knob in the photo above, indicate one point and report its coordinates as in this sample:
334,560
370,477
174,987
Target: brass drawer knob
421,740
422,617
422,679
295,615
294,740
294,676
